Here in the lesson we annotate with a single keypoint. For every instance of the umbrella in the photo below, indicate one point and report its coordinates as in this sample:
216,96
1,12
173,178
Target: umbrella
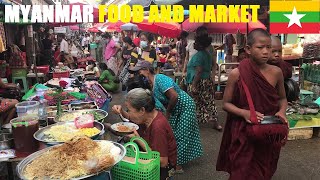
172,30
93,29
223,27
74,28
129,27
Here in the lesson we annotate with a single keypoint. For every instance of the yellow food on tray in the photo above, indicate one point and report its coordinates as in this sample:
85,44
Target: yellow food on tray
78,157
62,133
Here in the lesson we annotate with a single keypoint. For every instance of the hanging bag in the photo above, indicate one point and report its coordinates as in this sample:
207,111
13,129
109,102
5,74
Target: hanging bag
271,130
137,165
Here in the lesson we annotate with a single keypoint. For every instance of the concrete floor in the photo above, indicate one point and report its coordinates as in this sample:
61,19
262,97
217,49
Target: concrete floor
299,159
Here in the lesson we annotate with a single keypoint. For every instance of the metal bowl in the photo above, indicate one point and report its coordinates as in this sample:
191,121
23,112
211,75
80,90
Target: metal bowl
132,126
23,164
40,136
6,141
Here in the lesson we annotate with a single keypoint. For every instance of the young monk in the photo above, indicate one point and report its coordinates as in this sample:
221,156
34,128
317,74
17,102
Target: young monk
276,58
240,157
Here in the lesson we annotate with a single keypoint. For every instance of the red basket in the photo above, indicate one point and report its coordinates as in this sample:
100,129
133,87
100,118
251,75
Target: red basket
43,69
65,74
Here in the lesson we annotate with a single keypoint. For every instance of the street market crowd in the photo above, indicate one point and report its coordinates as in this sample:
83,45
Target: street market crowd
169,111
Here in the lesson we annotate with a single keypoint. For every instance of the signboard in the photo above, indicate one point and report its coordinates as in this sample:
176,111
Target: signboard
60,30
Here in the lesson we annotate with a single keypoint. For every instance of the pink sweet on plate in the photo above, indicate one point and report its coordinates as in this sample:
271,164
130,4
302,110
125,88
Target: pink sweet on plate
84,121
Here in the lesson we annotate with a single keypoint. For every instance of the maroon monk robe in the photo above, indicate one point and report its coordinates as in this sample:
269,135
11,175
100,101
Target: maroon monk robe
285,67
242,159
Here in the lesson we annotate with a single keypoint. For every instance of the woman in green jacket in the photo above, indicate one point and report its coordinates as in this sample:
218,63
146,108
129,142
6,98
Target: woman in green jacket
108,79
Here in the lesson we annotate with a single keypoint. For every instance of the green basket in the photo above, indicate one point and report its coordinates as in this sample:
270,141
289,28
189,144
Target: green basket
19,72
136,169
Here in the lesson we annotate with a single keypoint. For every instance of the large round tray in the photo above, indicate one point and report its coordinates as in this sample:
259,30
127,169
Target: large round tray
57,119
23,164
40,136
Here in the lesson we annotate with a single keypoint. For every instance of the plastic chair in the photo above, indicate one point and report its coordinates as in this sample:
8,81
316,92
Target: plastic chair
24,81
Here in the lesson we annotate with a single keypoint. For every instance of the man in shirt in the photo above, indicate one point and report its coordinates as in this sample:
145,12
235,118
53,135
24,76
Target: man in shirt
64,52
181,49
47,51
190,51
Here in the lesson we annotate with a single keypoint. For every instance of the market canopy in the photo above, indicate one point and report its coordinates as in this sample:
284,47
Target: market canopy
129,27
172,30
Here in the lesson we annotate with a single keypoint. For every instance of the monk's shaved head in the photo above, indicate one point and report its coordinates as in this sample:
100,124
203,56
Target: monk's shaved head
275,41
251,38
276,47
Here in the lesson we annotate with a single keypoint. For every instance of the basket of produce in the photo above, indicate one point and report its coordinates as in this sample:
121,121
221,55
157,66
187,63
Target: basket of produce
64,131
78,158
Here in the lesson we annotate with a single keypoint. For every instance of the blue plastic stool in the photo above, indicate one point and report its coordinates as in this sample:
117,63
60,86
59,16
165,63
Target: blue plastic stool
24,81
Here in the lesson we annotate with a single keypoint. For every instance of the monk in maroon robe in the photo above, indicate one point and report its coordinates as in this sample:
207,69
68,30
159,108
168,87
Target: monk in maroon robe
240,157
276,58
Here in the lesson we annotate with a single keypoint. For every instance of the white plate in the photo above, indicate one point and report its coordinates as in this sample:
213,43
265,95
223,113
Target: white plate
128,124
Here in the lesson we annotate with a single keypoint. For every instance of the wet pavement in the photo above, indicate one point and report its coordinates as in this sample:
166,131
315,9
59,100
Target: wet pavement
299,159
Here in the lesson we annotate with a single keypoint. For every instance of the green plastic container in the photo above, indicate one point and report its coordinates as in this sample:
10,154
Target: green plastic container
136,170
305,96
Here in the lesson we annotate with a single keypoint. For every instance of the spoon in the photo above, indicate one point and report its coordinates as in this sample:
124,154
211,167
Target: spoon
124,119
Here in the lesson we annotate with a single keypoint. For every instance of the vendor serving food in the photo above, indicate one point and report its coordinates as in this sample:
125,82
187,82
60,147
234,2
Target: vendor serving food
154,127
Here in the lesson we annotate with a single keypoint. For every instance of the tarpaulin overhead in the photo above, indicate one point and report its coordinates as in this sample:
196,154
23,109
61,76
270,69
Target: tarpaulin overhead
172,30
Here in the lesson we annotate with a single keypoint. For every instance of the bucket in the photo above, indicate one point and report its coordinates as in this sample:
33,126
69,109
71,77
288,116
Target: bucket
23,129
27,108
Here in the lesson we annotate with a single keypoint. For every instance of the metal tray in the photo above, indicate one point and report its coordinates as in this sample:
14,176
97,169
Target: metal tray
23,164
77,106
57,119
40,136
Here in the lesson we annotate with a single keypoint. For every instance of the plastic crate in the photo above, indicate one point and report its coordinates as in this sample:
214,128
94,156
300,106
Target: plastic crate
19,72
65,74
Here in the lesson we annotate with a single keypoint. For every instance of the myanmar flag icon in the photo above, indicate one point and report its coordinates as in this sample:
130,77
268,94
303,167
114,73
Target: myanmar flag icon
294,16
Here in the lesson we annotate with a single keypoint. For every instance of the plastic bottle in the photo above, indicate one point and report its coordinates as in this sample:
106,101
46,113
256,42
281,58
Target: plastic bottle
43,115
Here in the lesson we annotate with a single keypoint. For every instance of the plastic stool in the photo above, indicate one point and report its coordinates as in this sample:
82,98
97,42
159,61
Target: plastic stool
24,81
